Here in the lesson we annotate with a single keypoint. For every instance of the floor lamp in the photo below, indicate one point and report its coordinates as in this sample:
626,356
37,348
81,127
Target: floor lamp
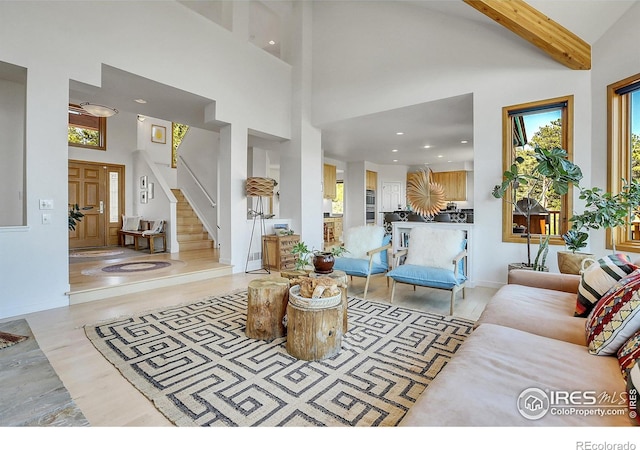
259,187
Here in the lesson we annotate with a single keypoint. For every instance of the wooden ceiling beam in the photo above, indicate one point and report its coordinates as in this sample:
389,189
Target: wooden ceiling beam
533,26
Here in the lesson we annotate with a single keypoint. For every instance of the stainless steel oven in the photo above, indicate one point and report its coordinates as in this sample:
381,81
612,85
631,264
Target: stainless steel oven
371,215
371,198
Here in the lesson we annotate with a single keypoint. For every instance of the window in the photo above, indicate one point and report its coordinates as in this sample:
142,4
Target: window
546,124
86,130
624,151
178,132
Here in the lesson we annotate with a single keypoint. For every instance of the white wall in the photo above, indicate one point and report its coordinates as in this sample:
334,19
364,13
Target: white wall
200,150
397,55
251,88
160,153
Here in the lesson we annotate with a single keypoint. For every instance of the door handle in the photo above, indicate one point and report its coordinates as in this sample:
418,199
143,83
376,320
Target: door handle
101,210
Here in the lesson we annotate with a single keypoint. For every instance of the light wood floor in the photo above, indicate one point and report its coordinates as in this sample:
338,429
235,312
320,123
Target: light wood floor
107,399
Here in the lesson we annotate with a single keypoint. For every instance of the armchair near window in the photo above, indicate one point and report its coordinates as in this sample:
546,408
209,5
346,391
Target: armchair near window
367,253
435,258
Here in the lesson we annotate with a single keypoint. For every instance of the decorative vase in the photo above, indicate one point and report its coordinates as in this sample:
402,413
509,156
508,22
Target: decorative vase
323,262
571,263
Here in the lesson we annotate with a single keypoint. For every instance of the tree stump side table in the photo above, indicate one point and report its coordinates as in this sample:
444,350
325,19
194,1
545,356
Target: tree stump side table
314,333
341,279
267,300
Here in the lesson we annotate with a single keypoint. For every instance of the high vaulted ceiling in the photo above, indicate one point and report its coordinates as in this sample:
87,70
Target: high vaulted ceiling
587,19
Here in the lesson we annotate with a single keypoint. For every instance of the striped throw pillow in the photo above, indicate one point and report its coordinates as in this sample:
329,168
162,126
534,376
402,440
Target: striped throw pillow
598,278
615,318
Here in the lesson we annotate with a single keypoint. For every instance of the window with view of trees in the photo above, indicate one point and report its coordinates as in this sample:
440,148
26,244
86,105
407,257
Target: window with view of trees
86,130
624,152
545,124
178,132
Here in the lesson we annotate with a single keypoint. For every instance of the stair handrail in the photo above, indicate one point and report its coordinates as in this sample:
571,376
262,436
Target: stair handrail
195,178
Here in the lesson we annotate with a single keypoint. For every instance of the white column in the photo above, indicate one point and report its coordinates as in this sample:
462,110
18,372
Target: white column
232,166
301,162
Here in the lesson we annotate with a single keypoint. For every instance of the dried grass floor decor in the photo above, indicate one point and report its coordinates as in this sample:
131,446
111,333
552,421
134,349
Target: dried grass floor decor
195,363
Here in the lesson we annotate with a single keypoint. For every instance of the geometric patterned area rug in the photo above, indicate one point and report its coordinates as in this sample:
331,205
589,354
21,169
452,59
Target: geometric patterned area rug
198,367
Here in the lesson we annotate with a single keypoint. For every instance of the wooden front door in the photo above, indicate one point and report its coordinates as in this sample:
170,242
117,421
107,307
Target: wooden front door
99,187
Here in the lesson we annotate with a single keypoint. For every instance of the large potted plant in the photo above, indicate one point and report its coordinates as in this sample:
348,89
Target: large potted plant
551,171
606,210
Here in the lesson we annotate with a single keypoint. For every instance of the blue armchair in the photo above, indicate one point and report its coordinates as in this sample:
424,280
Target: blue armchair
367,253
435,258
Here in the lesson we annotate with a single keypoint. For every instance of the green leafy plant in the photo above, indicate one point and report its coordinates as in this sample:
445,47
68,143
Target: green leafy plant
606,210
575,239
552,170
540,263
75,215
304,254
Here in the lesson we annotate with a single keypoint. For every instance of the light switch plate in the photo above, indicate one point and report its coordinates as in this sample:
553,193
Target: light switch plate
46,204
46,218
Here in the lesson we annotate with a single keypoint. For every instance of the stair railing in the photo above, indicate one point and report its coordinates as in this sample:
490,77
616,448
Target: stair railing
195,179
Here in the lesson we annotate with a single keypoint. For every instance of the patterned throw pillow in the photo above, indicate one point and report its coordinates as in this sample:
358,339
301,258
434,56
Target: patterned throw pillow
598,278
629,353
615,318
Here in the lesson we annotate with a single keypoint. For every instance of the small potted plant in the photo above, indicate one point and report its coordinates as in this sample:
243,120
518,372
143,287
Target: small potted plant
570,261
322,260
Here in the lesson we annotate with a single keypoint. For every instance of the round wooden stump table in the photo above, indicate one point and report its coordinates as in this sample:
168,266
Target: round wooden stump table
341,279
267,300
314,333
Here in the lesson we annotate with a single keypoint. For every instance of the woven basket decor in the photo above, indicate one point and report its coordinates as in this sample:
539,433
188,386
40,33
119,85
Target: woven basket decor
425,197
259,187
312,303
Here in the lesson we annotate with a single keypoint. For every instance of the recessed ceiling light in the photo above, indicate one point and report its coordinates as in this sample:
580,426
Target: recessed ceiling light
394,150
399,133
449,161
272,42
427,146
464,142
395,160
439,156
140,100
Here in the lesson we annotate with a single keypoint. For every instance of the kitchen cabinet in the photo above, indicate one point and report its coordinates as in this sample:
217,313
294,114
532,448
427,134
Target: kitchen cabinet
278,249
454,184
329,181
371,180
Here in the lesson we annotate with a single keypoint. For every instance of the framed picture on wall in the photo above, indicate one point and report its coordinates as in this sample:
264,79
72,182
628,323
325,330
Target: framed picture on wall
143,182
144,197
158,134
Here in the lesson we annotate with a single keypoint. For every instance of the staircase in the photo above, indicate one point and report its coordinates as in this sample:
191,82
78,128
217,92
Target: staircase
191,232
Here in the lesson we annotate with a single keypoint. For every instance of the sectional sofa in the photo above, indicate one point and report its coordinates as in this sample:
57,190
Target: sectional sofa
527,345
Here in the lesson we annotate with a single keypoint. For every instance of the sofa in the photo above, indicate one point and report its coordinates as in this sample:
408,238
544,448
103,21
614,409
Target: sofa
526,340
